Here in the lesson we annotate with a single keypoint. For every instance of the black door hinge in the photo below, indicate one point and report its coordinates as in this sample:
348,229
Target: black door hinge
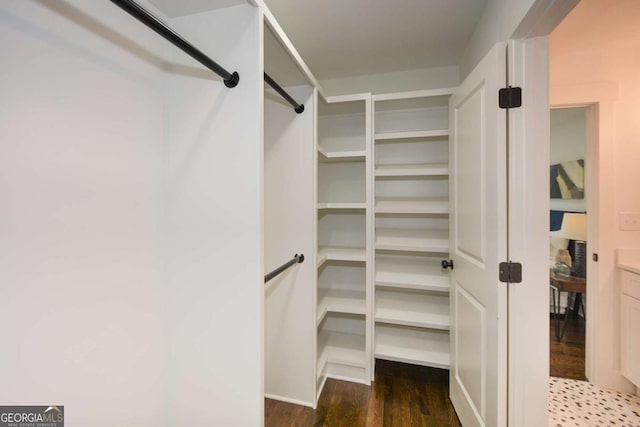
510,272
510,97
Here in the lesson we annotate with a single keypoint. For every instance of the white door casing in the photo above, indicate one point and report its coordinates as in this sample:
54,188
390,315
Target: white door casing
478,236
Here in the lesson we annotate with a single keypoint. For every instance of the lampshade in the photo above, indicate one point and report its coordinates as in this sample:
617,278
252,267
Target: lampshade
574,226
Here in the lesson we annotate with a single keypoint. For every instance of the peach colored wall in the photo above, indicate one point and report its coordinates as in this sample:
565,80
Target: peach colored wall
594,60
600,42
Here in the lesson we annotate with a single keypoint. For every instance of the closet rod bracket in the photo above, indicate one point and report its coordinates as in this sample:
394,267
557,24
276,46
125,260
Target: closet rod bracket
233,80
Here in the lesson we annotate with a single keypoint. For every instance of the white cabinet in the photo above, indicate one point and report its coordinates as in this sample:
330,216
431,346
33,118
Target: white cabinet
411,150
629,321
344,229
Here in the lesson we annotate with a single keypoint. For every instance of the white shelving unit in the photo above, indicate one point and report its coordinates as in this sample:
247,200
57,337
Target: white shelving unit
344,238
410,272
412,240
340,301
342,349
412,345
340,156
411,205
412,134
412,308
332,253
433,169
343,205
407,205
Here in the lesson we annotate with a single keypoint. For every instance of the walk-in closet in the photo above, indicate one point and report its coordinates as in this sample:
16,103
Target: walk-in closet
206,208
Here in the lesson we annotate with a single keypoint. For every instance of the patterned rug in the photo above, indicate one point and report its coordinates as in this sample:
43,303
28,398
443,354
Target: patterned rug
579,403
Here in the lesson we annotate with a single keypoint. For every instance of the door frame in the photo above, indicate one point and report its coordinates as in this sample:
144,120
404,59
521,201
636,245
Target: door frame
591,170
528,67
528,212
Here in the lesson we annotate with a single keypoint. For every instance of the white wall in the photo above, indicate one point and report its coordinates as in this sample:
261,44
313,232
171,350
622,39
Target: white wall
290,217
130,256
505,19
594,61
427,78
498,21
212,225
568,138
81,128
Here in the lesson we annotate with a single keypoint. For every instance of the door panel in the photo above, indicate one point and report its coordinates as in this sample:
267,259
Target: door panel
470,163
471,348
478,235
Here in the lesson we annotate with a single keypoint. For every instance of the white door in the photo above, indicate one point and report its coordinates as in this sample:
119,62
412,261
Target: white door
478,235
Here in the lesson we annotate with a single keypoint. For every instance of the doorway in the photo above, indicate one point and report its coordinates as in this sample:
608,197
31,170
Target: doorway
569,169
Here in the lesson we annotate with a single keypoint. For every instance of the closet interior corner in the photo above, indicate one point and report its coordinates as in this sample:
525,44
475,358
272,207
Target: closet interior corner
289,226
364,179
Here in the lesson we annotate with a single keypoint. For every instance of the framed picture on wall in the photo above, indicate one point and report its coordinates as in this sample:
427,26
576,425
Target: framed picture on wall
567,180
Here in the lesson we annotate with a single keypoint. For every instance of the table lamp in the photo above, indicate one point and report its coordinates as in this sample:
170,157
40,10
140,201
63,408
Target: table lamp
574,227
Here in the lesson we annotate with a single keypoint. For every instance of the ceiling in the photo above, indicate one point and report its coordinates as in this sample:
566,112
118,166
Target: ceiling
175,8
343,38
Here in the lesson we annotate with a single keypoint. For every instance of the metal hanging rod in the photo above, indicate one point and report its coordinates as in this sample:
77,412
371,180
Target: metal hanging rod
296,259
142,15
299,108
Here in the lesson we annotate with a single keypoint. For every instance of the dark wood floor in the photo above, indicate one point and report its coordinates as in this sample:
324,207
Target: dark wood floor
402,395
567,356
405,395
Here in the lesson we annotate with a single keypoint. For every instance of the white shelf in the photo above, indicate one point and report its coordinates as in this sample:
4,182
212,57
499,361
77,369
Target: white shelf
412,308
409,355
412,345
341,348
341,254
434,169
399,239
411,134
425,93
343,205
403,205
407,273
341,156
411,318
339,301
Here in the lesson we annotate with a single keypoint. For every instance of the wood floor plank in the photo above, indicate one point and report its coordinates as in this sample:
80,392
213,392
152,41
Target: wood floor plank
567,357
402,395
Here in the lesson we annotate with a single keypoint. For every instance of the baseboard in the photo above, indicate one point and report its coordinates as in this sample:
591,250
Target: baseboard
289,400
